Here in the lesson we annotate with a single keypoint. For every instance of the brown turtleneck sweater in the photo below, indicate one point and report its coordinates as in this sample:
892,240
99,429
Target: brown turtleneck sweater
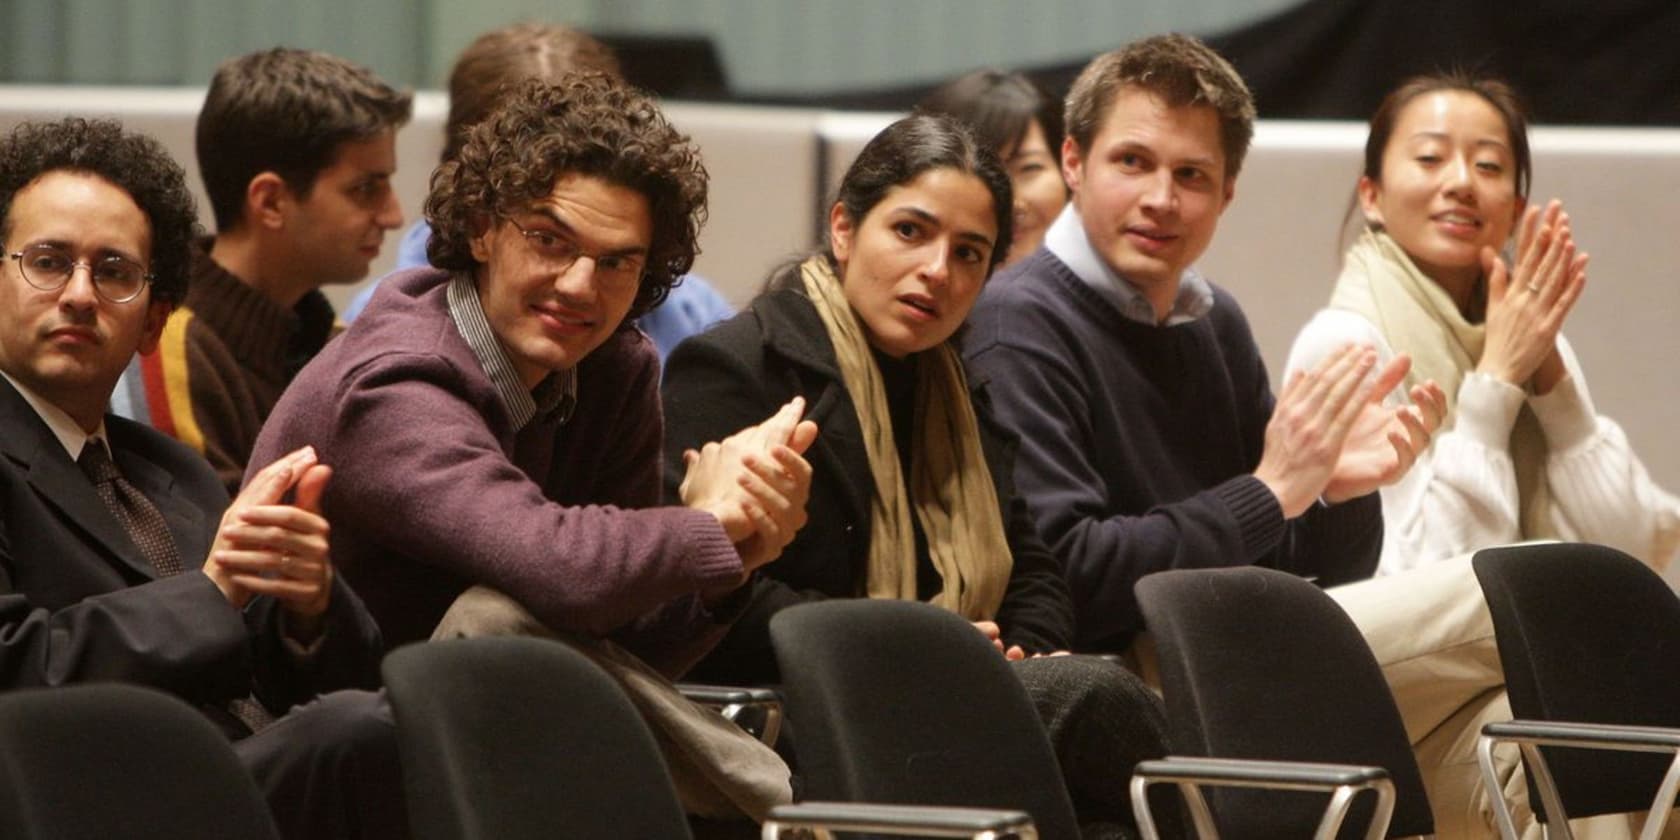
226,355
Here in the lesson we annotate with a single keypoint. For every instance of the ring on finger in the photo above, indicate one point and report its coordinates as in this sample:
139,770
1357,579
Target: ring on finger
1534,287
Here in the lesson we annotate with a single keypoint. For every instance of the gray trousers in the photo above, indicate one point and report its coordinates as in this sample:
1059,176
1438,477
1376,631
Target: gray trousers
1102,720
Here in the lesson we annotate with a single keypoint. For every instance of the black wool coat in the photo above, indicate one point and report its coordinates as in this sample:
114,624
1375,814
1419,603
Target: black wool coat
737,374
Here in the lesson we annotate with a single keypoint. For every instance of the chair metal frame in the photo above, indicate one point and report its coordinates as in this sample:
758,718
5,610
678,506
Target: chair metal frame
1531,735
1626,578
951,641
1189,774
1343,782
756,710
822,819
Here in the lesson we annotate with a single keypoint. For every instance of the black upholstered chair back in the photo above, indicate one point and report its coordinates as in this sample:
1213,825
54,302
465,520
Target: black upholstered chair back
901,702
511,738
1587,634
118,762
1258,663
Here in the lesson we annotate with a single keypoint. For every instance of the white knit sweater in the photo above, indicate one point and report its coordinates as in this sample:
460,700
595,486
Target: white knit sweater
1461,495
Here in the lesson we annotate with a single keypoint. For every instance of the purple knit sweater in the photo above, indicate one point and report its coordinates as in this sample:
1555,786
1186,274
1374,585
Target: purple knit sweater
433,490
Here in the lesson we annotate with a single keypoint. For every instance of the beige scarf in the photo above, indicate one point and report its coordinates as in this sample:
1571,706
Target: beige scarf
1417,317
951,488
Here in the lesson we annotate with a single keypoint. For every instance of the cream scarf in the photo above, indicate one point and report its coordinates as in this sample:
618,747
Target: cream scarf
951,488
1419,318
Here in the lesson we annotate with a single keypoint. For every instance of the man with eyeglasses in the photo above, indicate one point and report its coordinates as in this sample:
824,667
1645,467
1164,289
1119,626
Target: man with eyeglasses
297,149
495,421
120,556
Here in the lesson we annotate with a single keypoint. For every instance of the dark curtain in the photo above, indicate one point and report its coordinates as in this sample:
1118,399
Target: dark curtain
1597,62
1590,62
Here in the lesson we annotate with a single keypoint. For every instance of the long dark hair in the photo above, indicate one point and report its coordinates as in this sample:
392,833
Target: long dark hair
900,154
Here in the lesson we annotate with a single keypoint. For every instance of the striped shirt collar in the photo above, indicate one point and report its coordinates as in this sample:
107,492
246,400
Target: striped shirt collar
554,397
1066,239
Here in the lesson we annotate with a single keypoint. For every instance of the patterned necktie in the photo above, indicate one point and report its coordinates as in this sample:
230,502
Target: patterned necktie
144,524
139,517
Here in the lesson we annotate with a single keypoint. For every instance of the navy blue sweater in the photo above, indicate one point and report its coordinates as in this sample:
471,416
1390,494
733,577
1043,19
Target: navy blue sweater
1138,444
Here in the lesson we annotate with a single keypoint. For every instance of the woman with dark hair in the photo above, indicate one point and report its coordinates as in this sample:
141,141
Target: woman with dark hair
1524,453
1011,115
911,496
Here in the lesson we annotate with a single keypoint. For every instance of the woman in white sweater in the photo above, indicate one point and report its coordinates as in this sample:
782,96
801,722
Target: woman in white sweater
1523,453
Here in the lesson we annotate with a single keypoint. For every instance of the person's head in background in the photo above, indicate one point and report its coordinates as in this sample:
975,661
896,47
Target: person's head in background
497,60
297,149
1011,115
921,219
1446,173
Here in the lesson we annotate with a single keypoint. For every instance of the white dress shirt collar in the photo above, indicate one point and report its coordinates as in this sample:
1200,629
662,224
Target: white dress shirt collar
1066,239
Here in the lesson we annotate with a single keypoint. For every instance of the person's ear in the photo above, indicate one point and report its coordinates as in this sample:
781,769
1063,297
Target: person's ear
841,231
1073,164
266,199
1230,193
478,243
1369,192
157,314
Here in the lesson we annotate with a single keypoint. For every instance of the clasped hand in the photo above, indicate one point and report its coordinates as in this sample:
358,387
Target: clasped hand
1332,437
265,547
756,483
1528,302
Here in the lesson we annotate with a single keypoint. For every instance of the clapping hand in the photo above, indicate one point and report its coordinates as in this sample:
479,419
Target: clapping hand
265,547
1528,302
756,483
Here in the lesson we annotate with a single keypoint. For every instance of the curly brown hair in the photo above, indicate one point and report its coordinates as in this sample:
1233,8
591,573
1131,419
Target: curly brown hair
135,163
585,124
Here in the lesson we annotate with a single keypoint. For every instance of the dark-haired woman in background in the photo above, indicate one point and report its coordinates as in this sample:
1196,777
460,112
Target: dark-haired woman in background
911,495
1014,117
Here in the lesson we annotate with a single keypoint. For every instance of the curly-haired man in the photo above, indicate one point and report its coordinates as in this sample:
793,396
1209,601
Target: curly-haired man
120,556
487,70
494,420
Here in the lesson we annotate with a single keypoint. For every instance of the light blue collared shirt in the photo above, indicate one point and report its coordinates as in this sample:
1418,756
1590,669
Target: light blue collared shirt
1066,239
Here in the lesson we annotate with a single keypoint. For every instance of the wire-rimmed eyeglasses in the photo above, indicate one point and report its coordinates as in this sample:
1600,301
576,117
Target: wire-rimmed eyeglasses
558,253
49,268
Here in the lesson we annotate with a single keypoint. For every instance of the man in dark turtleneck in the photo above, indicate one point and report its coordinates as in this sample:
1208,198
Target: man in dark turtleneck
297,150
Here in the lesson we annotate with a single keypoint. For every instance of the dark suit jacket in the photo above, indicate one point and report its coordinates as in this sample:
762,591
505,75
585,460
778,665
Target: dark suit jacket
78,602
739,372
